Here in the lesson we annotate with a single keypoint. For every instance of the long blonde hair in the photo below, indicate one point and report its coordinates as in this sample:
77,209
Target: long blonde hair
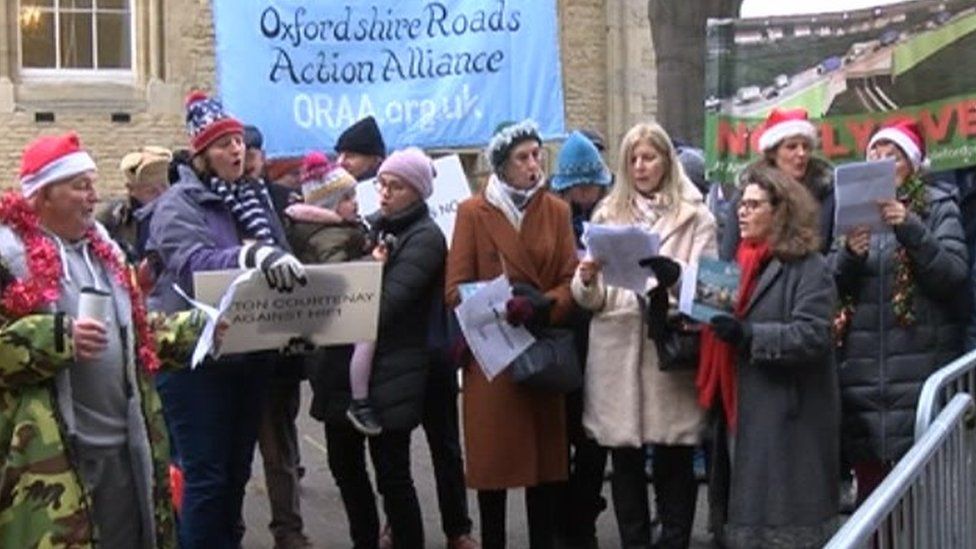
617,204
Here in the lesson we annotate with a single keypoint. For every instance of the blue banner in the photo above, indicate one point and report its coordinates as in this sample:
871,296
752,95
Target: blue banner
434,74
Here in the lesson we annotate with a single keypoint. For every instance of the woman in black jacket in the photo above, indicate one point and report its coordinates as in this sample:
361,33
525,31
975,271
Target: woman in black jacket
898,320
413,250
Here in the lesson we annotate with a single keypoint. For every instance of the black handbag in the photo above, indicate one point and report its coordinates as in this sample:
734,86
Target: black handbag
678,349
551,363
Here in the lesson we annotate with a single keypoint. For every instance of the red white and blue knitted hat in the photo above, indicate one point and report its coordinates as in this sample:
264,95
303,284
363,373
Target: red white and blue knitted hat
206,121
52,158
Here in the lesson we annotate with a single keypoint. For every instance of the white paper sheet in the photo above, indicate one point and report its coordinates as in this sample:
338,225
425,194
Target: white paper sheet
618,248
205,344
858,187
494,342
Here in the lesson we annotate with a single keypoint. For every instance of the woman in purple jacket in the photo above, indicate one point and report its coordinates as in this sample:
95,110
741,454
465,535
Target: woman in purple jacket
214,218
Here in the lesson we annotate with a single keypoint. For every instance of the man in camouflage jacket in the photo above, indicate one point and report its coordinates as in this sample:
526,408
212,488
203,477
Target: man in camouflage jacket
52,484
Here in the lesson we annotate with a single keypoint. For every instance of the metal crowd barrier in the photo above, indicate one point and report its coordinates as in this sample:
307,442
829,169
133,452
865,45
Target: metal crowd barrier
929,498
959,376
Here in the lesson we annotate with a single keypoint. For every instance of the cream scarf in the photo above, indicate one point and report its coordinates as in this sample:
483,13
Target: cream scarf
647,211
511,201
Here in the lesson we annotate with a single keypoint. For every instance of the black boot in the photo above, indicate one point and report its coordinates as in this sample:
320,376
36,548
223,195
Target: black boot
677,492
629,490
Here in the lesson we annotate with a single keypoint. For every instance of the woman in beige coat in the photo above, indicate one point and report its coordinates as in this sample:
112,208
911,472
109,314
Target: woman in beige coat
629,401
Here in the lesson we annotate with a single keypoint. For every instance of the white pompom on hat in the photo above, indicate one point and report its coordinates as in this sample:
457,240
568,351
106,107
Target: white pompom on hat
783,123
52,158
906,135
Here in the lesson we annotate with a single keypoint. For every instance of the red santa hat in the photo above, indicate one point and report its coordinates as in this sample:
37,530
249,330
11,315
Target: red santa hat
783,123
52,158
904,134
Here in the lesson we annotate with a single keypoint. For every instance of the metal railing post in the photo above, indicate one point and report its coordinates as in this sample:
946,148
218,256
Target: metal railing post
959,376
926,500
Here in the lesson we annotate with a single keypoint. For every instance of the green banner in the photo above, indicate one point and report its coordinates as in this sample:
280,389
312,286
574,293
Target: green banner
852,72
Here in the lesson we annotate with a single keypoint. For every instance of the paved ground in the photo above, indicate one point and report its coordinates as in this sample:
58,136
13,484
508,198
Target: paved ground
325,520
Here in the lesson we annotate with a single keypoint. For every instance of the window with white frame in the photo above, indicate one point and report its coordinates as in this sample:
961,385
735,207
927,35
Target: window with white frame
76,36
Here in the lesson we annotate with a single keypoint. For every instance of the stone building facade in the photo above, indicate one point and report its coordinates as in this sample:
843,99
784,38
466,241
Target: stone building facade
607,61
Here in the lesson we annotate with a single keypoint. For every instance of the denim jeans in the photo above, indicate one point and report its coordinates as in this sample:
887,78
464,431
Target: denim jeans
213,413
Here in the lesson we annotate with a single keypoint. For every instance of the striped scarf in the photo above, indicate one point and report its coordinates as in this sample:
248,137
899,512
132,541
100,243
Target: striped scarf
246,200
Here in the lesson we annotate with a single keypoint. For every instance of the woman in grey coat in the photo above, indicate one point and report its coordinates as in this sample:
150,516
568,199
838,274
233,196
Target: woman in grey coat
776,465
901,315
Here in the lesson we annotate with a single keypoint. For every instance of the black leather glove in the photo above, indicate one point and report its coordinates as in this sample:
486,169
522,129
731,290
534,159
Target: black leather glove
666,270
678,321
731,330
656,313
297,346
282,270
527,295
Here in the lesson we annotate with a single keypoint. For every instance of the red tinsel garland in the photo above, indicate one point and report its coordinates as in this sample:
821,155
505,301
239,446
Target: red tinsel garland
23,297
42,285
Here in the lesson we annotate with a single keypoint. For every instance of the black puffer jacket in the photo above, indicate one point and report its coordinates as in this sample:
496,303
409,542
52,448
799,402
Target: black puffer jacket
413,278
883,364
819,180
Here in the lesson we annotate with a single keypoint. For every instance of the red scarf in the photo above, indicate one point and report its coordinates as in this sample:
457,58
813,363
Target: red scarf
716,362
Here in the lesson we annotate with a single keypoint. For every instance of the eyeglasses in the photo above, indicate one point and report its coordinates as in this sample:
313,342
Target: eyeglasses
387,186
751,204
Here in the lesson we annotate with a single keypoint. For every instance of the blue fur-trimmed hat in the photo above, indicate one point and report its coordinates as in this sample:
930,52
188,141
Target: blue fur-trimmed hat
507,136
579,163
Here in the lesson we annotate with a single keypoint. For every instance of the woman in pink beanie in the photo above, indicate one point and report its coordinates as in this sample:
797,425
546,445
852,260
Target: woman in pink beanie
413,251
413,167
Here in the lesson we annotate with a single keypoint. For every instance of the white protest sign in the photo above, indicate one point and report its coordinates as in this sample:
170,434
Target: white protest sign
450,188
339,305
